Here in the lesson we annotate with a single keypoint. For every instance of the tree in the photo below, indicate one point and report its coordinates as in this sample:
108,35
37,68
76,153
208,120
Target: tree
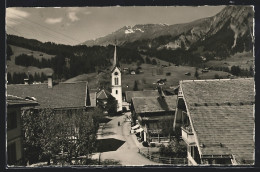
9,78
111,105
235,70
154,62
135,86
196,74
148,60
173,149
48,132
9,52
167,127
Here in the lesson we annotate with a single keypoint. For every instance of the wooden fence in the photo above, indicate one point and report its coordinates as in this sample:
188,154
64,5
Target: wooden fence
164,160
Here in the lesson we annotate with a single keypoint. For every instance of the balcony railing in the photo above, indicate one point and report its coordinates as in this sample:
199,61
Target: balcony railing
187,135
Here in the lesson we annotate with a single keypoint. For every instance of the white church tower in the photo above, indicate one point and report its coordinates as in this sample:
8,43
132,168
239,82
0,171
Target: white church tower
116,82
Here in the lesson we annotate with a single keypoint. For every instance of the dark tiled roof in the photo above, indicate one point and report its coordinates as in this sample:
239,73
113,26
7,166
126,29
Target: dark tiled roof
154,104
218,91
62,95
18,101
217,122
146,93
103,94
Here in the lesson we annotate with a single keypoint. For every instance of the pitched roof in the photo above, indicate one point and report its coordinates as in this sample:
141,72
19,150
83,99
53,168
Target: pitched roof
18,101
146,93
226,118
62,95
103,94
154,104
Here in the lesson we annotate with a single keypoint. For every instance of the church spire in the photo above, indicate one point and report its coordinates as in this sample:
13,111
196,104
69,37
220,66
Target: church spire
115,59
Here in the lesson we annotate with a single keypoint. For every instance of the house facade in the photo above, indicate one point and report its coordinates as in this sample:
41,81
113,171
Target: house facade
152,114
216,120
15,105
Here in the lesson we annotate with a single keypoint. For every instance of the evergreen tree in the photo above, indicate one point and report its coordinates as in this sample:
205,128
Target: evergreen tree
9,52
9,78
135,86
196,74
154,62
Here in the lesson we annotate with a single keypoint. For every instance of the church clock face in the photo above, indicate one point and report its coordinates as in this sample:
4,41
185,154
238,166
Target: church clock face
116,73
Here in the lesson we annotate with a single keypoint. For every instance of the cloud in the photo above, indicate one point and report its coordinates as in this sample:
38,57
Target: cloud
14,16
53,20
74,11
72,16
87,12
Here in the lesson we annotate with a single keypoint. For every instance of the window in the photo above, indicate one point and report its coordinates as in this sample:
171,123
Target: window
116,92
11,120
11,154
116,81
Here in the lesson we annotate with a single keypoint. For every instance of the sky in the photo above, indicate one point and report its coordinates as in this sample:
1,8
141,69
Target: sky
74,25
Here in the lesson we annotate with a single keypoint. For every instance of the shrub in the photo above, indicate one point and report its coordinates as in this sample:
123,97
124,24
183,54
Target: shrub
152,144
145,144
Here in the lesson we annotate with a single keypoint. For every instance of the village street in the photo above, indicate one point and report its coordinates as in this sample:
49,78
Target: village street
127,154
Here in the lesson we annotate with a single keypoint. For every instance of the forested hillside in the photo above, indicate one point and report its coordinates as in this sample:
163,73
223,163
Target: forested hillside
68,61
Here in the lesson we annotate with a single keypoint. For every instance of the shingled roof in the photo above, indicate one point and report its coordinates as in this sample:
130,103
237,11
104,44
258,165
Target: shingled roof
62,95
18,101
146,93
103,94
154,104
222,116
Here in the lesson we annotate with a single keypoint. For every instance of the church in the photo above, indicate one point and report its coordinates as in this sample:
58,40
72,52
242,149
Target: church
116,84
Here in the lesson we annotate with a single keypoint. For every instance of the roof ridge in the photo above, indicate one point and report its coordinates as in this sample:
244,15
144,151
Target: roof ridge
205,80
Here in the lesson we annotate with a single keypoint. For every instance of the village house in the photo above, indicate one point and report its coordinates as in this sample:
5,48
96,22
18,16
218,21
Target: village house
102,97
15,106
145,93
64,99
216,120
151,114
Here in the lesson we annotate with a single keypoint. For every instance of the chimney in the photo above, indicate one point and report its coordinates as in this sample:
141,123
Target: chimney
26,81
50,84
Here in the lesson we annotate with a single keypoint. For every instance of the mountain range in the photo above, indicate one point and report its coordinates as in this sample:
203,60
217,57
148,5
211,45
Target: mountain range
231,28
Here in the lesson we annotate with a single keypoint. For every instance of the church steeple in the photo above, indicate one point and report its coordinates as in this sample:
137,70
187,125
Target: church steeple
116,82
115,58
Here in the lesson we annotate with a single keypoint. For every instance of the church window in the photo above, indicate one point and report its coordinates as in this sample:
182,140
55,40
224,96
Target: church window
116,91
116,81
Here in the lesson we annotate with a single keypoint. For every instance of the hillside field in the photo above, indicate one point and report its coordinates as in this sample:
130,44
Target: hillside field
149,77
12,67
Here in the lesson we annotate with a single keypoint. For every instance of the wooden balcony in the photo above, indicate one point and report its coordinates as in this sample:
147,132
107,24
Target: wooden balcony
187,135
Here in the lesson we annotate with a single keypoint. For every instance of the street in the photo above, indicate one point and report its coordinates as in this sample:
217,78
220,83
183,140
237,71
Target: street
127,154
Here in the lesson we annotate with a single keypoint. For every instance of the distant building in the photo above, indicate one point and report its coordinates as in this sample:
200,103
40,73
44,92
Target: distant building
15,155
132,72
216,120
